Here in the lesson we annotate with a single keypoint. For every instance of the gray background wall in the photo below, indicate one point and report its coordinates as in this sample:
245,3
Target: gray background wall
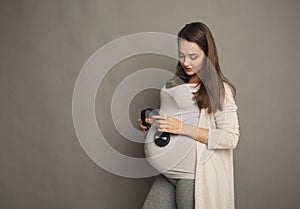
44,44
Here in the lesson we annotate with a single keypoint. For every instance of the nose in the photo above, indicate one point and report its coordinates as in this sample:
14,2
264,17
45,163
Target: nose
186,62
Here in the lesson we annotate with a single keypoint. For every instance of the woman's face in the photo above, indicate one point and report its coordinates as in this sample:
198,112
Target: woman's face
191,56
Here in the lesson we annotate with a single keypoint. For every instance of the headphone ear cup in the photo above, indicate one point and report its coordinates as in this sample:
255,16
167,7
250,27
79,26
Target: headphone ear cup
161,139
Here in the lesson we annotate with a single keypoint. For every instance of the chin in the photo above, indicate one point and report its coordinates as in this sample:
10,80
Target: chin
190,73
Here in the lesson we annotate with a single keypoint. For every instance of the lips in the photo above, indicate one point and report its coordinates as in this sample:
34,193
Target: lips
188,69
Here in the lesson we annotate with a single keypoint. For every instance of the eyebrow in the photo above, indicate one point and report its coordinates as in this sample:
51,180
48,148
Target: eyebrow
188,54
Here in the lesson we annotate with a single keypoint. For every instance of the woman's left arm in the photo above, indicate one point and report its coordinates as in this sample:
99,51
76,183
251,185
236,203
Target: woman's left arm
224,136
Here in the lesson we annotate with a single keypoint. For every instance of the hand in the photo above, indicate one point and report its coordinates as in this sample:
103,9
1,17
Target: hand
168,124
141,126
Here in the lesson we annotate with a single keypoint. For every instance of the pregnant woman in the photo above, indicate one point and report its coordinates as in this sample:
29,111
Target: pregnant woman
199,113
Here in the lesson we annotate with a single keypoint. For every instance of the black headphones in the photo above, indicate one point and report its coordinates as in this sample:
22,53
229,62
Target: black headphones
161,139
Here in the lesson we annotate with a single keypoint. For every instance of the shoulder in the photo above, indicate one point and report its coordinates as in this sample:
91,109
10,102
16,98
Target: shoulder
229,95
227,88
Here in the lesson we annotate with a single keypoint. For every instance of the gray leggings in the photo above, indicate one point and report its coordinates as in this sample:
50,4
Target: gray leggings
169,193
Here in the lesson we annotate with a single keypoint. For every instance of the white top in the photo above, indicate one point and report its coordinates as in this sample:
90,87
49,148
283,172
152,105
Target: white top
178,158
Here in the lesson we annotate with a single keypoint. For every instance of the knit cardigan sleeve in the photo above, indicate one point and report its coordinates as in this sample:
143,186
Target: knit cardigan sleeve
225,135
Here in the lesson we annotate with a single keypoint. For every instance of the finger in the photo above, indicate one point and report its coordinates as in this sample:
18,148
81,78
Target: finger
164,121
151,121
142,127
163,130
160,118
148,120
157,117
164,126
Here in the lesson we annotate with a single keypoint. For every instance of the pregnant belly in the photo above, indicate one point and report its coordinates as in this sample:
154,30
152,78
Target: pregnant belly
165,158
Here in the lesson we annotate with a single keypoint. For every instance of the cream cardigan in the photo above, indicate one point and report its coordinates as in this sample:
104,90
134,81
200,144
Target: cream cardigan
214,179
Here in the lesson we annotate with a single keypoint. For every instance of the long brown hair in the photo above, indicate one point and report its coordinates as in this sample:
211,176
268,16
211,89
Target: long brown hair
212,93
